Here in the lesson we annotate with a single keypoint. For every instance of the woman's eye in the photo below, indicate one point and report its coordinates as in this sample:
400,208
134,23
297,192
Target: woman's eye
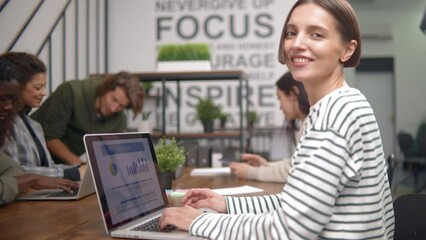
290,34
317,35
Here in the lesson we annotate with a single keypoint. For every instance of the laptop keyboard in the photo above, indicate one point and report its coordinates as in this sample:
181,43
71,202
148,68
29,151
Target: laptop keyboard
64,193
154,226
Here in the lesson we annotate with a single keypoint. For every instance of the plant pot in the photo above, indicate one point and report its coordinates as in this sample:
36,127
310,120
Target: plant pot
179,172
208,126
183,66
167,179
144,126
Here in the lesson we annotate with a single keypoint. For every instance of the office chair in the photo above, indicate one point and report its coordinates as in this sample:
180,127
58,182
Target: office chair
412,157
390,163
406,142
410,217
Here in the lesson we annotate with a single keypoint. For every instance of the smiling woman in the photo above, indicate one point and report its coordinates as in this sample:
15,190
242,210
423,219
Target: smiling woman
13,179
337,187
27,144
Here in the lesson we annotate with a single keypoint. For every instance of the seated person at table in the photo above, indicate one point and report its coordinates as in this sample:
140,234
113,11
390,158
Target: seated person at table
13,179
93,105
295,106
337,187
27,144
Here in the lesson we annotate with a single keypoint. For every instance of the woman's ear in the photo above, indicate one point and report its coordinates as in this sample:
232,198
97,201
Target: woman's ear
349,50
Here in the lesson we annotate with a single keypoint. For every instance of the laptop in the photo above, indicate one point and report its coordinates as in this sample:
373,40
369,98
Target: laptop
126,176
86,188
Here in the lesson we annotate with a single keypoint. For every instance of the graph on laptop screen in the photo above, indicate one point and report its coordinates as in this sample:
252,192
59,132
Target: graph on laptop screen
129,177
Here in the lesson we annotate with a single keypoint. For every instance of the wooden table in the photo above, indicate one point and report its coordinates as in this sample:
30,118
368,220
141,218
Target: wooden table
82,219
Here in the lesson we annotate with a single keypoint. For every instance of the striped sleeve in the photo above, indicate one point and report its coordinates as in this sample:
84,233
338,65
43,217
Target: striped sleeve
300,212
337,187
257,204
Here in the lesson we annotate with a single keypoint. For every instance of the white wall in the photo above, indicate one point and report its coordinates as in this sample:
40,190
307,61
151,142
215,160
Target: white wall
408,47
131,48
16,14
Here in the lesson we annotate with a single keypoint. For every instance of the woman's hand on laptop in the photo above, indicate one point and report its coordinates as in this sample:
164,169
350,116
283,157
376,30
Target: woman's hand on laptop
39,182
181,217
205,198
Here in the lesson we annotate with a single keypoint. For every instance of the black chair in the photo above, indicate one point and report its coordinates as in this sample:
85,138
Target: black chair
410,217
414,158
390,163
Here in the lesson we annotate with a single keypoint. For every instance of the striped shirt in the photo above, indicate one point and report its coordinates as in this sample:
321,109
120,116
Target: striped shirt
337,187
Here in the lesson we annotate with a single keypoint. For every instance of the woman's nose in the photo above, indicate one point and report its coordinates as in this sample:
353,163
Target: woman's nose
8,105
299,41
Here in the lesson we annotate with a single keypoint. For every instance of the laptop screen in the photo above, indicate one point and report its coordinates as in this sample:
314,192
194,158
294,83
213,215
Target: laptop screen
126,176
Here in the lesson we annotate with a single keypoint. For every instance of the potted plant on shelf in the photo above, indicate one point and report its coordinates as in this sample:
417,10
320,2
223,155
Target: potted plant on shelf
252,118
145,125
171,156
184,57
207,112
147,86
223,118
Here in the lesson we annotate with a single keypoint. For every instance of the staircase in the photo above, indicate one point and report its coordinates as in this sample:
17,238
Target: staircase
69,36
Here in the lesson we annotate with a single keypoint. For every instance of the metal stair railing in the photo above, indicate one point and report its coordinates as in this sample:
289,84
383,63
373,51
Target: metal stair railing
47,42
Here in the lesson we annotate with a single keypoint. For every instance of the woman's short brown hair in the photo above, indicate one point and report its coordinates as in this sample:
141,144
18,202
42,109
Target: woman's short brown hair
347,25
131,86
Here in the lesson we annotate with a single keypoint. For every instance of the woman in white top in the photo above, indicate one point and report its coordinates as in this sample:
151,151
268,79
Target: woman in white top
295,106
337,187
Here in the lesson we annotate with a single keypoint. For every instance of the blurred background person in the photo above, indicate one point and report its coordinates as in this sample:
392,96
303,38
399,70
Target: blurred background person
294,104
93,105
27,144
13,179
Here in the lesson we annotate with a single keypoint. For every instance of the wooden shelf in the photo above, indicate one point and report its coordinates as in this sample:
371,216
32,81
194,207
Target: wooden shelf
190,76
233,134
215,75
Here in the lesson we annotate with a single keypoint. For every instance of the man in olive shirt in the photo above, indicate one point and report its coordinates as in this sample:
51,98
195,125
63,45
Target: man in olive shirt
92,105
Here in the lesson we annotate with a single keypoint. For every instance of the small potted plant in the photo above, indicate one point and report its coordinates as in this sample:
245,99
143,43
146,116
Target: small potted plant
183,57
207,112
145,125
252,118
223,118
171,156
147,86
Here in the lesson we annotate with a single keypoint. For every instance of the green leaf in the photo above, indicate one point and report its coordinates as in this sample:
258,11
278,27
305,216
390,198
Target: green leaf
183,52
170,154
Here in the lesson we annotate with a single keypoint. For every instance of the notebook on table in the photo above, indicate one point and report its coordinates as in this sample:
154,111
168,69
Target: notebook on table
86,188
126,176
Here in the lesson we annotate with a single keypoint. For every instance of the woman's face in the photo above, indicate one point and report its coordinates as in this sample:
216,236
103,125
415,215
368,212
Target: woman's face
287,104
9,101
34,91
313,47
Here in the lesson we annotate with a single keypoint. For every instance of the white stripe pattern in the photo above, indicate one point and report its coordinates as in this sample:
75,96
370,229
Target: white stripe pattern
337,187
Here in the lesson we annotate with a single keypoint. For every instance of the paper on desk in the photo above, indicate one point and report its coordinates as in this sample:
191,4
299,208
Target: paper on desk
237,190
210,171
224,191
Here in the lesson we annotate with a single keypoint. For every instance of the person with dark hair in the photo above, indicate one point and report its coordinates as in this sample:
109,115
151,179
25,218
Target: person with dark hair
94,105
13,179
294,104
337,186
27,144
